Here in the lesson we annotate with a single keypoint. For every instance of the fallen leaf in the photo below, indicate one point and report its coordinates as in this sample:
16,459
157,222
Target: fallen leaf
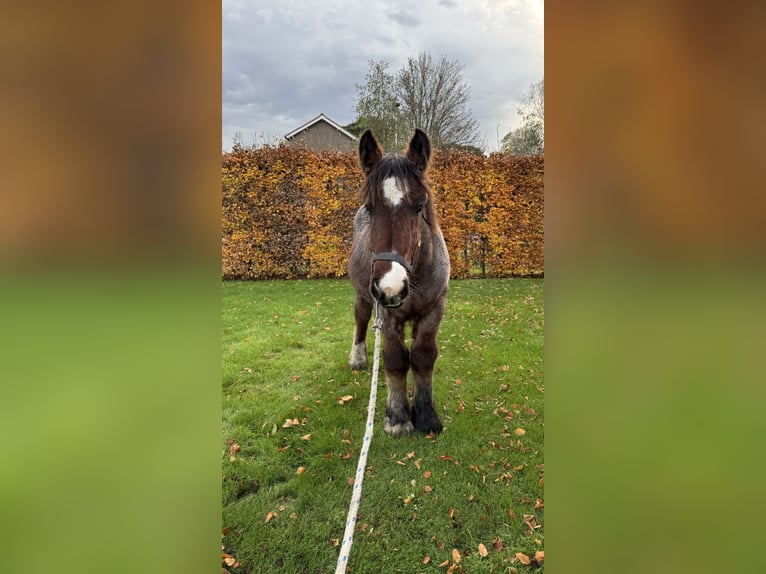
456,555
512,513
344,399
540,556
428,488
306,437
498,544
350,481
519,432
271,515
539,504
427,474
443,564
426,560
483,550
523,558
301,470
335,541
408,500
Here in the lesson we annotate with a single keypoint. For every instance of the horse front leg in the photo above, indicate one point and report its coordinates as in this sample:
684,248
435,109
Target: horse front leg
357,359
398,419
422,359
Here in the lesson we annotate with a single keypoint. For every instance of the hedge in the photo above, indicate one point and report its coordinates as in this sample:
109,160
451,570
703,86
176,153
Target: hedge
288,212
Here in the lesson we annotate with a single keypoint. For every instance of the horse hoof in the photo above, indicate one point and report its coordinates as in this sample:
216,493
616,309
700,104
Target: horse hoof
357,359
397,429
427,422
360,366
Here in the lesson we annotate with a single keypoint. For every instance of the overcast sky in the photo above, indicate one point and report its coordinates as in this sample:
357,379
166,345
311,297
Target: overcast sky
287,61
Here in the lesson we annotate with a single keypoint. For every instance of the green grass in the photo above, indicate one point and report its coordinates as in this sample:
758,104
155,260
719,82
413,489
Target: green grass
285,346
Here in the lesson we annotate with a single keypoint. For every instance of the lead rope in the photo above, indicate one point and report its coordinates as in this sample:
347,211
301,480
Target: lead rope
348,535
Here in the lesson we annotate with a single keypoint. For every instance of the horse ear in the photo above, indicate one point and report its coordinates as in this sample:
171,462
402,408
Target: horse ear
369,151
419,150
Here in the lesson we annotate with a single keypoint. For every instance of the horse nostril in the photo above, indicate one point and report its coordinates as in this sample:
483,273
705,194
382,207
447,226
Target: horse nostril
375,289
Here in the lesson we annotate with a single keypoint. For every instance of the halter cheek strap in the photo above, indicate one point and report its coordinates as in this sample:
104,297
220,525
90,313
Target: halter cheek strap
389,256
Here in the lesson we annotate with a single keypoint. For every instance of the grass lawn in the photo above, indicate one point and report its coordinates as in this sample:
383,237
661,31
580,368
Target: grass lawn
468,500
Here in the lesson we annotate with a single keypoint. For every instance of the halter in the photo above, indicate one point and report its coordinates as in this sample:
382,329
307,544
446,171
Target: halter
390,256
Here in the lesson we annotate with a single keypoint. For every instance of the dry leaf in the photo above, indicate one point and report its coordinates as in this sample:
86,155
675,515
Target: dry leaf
443,564
540,556
350,480
306,437
483,550
344,399
519,432
427,474
456,555
301,470
271,515
428,488
408,500
335,541
523,558
426,560
497,544
234,448
512,513
539,504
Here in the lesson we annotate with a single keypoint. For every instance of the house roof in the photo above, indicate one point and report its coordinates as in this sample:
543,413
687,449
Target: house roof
319,118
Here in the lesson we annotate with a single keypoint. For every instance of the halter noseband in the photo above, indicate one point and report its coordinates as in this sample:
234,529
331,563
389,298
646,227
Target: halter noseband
389,256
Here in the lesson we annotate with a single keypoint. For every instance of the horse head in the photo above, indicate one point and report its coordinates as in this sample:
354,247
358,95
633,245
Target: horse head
398,200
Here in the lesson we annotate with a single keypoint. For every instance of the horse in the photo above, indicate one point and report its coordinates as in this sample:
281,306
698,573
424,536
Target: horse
399,259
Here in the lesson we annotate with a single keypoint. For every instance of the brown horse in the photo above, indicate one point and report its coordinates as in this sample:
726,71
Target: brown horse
399,259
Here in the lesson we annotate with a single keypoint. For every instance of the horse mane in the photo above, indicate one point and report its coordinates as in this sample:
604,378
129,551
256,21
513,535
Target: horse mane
398,166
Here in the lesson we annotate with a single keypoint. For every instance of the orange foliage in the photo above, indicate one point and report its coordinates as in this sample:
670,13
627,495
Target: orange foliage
289,213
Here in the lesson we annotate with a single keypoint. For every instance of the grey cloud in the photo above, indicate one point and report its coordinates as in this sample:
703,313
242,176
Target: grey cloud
405,19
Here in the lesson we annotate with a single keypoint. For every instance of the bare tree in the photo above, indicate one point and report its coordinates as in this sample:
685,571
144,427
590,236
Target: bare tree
427,94
434,97
529,138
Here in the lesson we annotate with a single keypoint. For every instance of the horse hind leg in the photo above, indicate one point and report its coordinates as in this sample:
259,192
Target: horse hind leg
357,358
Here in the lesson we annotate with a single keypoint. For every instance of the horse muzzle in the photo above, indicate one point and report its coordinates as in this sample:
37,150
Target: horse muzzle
389,297
391,288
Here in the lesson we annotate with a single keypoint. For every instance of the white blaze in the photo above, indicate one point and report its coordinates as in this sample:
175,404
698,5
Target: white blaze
392,192
392,283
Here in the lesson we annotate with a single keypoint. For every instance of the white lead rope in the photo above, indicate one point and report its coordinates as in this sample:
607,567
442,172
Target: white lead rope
348,535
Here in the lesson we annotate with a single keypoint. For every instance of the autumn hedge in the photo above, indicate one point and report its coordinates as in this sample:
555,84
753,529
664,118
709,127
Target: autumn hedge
288,213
